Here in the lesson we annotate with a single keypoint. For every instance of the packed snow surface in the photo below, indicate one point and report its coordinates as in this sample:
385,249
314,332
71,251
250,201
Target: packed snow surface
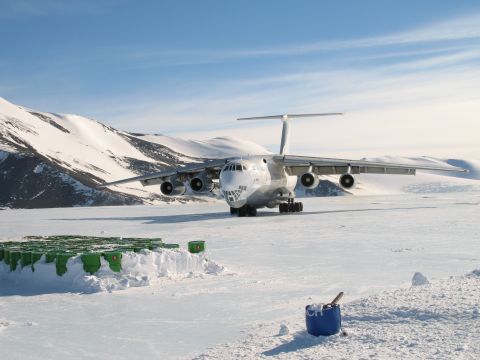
437,321
369,247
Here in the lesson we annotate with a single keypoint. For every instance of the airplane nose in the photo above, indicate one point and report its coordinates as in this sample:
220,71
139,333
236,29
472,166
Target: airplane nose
236,196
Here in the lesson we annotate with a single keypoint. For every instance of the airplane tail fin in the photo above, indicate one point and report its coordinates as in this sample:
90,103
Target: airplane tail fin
284,145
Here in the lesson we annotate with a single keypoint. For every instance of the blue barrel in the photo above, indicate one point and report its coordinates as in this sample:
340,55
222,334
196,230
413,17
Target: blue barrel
326,322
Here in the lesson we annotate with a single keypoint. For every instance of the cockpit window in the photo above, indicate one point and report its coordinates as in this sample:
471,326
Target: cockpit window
235,167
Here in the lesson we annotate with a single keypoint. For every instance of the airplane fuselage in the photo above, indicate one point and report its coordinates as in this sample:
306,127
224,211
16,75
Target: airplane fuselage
256,182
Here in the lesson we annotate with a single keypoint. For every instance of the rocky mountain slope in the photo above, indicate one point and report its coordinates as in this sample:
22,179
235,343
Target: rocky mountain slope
51,160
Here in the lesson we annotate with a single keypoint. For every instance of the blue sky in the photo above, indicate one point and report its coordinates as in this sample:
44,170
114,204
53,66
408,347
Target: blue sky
191,67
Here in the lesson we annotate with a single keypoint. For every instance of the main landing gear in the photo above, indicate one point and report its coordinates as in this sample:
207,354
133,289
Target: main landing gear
291,206
245,210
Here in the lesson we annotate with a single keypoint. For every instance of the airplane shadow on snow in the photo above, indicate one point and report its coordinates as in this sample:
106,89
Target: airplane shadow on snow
185,218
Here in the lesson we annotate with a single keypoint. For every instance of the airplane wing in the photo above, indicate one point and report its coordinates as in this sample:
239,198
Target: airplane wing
297,165
211,166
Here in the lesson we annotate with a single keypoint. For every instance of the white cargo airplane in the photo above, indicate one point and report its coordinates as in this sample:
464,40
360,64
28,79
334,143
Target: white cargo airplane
253,182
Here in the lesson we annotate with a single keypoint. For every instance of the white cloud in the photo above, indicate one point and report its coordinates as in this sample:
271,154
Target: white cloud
460,29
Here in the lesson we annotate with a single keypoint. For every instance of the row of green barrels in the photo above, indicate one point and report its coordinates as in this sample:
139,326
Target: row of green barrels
58,249
15,257
84,243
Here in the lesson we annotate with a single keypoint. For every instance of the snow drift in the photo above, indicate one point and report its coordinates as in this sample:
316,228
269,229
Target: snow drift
138,269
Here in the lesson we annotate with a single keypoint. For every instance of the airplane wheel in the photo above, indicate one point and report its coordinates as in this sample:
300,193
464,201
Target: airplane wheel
233,211
242,212
252,211
283,208
298,207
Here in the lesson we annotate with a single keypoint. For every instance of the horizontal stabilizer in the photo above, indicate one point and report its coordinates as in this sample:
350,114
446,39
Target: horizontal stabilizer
288,116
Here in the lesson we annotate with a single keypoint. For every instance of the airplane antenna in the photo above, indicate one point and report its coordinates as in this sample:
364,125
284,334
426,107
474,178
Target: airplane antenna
284,143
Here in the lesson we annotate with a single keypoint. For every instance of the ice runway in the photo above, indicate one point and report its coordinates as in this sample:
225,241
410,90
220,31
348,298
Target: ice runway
276,264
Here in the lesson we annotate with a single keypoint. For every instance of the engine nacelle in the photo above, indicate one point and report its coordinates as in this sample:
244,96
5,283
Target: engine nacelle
172,187
347,181
309,180
201,183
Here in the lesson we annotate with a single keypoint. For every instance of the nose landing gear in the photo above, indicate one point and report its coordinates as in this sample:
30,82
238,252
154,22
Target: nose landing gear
290,206
243,211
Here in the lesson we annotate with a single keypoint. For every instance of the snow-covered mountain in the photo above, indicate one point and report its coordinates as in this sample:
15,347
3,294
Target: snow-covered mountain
50,160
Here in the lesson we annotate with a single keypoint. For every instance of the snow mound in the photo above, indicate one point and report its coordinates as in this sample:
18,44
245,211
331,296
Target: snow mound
475,272
438,187
425,182
438,321
218,147
284,330
138,269
419,279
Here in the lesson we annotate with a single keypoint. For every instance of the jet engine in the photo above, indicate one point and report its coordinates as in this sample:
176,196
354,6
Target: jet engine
201,183
309,180
172,187
347,181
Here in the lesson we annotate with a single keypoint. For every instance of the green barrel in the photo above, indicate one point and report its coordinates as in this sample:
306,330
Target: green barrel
61,262
36,256
196,247
114,259
155,244
91,262
170,246
14,258
6,256
50,256
125,248
138,247
25,258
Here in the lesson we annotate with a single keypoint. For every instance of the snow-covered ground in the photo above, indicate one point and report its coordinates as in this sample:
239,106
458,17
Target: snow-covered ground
138,269
367,246
440,320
